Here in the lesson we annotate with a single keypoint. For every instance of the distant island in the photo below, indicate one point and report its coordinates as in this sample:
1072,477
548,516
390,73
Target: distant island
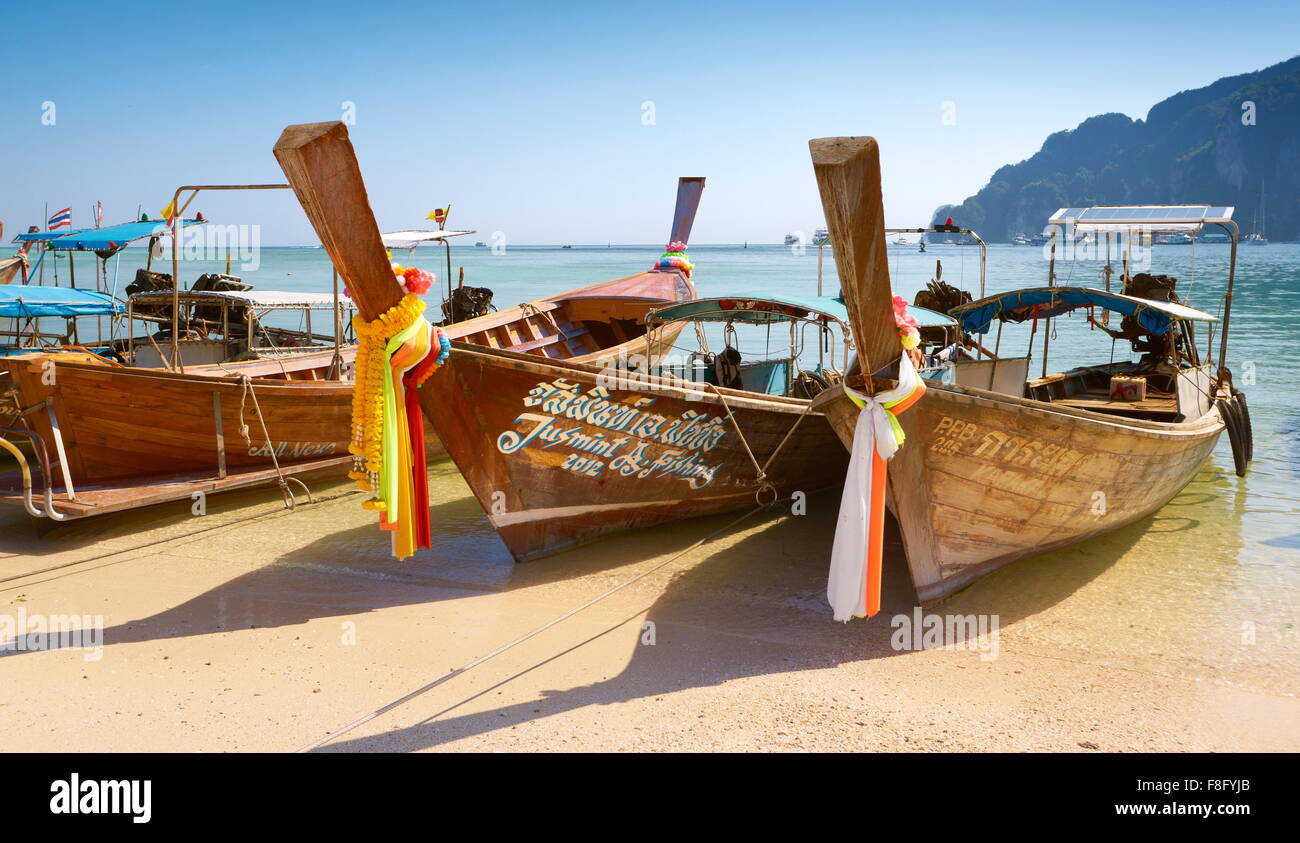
1202,146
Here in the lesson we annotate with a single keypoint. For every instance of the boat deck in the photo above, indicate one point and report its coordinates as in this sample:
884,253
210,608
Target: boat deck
100,499
1099,401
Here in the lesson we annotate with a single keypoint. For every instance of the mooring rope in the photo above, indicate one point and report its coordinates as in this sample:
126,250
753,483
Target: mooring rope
247,390
760,470
528,635
529,309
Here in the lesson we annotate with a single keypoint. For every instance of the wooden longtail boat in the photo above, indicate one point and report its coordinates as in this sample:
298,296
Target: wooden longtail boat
122,437
562,451
998,466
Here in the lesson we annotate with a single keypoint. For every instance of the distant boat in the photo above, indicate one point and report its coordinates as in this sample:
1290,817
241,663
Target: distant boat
821,237
1021,239
1040,240
792,240
566,246
1172,238
479,243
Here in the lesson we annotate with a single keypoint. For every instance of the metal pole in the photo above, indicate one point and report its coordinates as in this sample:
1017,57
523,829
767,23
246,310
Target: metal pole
336,362
984,258
1227,304
819,268
1047,323
446,244
177,366
44,245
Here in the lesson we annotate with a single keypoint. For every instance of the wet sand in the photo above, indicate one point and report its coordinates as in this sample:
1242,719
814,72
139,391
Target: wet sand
253,628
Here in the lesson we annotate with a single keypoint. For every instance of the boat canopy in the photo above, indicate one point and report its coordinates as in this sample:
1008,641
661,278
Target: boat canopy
408,240
1148,217
1018,305
270,299
46,235
767,309
110,239
26,302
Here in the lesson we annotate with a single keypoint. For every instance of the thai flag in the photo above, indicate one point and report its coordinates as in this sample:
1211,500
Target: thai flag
61,219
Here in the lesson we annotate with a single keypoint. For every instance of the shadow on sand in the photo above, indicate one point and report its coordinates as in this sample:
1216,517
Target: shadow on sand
765,590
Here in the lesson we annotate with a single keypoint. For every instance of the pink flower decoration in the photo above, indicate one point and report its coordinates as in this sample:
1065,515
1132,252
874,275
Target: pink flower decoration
417,280
901,318
676,246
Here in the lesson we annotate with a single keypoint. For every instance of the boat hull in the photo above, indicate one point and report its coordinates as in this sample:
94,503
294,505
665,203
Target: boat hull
984,479
559,453
118,423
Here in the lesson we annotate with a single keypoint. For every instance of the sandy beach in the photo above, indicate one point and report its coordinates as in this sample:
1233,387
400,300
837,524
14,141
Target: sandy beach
255,628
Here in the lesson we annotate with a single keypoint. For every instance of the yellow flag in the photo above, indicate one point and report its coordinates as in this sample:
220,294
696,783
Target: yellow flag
169,210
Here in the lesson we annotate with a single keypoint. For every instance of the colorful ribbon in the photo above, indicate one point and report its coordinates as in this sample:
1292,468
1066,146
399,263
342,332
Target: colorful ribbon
396,353
675,258
853,587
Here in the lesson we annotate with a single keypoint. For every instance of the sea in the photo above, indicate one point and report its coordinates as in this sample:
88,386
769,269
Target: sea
1207,589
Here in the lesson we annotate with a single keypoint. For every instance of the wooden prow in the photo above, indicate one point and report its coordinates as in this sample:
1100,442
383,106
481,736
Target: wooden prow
320,164
848,176
689,191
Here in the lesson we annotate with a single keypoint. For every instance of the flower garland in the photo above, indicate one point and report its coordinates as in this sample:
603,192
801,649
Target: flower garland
675,258
368,392
908,331
396,353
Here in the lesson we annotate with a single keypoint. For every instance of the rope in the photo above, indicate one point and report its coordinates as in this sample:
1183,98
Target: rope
528,635
762,475
246,391
760,470
530,309
163,357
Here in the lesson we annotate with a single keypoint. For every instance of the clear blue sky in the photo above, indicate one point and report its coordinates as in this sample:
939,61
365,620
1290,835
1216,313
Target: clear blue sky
528,117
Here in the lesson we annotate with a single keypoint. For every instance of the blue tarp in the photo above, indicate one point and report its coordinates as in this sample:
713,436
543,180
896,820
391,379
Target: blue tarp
760,308
114,237
18,301
1155,316
47,235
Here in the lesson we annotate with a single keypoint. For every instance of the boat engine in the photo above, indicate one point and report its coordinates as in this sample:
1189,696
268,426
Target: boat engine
150,282
466,303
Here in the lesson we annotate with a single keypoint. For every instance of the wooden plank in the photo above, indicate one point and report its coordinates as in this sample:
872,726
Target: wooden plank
848,176
320,164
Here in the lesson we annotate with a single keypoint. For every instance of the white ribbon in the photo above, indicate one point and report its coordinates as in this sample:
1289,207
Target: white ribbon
846,584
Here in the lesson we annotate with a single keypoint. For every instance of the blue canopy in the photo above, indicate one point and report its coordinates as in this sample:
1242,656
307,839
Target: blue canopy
1018,305
47,235
31,301
764,309
114,237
